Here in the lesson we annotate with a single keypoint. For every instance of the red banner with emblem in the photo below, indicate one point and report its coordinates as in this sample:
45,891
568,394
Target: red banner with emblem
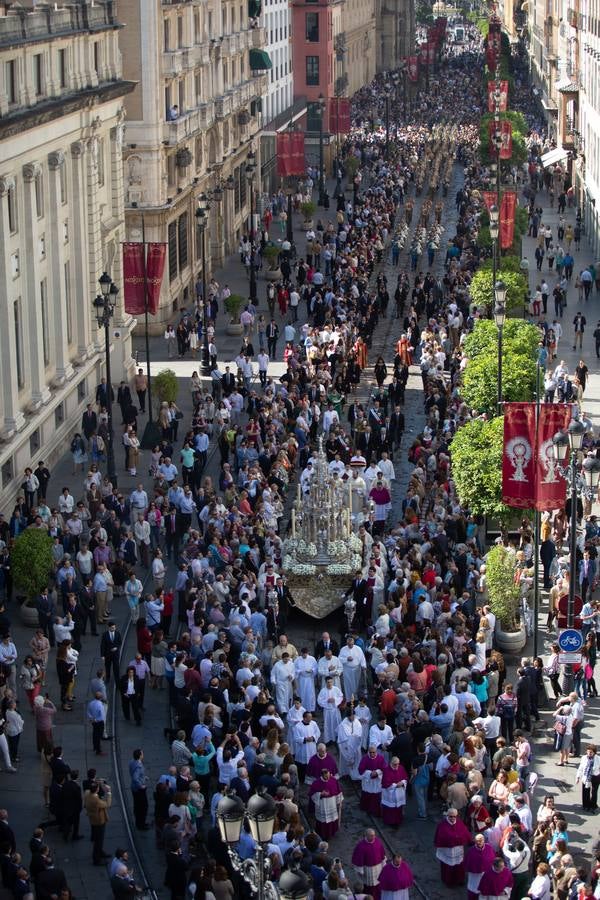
551,488
489,198
503,105
339,115
155,267
290,154
431,48
133,278
505,139
413,68
518,456
508,206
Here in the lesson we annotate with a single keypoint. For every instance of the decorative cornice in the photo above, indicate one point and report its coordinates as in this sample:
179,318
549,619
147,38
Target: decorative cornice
57,107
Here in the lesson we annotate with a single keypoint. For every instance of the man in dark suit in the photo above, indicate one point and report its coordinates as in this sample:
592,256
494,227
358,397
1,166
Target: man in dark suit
523,692
396,427
172,533
50,883
359,590
326,643
72,801
228,382
284,601
272,337
241,784
7,835
130,689
365,443
110,645
89,422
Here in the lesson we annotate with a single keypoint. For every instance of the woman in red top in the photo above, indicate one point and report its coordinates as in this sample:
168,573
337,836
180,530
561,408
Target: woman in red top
144,639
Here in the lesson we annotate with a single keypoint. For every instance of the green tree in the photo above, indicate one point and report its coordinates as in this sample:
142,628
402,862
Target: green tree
165,387
479,383
519,338
476,452
503,593
482,294
31,561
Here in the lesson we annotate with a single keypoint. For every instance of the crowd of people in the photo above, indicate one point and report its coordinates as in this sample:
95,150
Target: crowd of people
412,706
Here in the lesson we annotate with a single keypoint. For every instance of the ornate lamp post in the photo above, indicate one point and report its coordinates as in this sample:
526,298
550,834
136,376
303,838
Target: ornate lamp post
494,232
582,481
260,814
104,304
250,173
323,197
499,319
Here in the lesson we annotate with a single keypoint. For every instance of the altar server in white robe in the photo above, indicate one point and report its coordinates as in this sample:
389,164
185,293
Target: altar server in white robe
381,736
364,716
354,665
329,665
305,670
306,738
349,739
282,678
330,699
295,714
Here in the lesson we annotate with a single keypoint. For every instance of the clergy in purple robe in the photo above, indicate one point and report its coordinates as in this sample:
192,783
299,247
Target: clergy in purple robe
371,769
451,838
327,797
368,859
478,860
497,882
321,760
393,794
396,879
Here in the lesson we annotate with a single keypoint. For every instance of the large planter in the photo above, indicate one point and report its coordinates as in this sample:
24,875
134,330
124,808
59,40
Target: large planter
308,225
234,328
29,614
511,642
273,274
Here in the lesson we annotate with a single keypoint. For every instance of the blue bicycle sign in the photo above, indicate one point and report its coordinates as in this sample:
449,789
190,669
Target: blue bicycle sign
570,640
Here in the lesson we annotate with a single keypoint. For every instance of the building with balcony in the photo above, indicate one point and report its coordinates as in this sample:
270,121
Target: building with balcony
61,222
543,28
583,92
333,52
191,121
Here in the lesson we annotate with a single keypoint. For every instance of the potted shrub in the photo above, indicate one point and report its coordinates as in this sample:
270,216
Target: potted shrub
351,166
165,387
504,597
271,255
308,210
31,564
234,304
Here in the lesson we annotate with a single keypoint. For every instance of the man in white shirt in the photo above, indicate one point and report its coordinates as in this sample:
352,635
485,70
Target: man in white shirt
228,759
386,466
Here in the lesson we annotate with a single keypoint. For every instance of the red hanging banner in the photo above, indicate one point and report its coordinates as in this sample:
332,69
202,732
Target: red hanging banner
413,68
489,198
551,489
297,164
431,48
506,139
503,105
155,267
339,115
508,206
518,457
133,278
283,153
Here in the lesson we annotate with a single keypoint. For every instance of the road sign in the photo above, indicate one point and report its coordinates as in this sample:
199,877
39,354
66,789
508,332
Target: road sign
569,659
563,605
570,640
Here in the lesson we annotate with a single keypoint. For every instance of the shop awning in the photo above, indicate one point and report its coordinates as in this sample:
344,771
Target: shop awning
254,8
260,60
553,156
571,88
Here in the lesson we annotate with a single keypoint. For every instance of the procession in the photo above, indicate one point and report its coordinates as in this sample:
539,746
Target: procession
343,625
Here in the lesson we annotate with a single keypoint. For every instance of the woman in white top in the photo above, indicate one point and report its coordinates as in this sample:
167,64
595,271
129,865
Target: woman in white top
588,774
158,569
563,731
541,888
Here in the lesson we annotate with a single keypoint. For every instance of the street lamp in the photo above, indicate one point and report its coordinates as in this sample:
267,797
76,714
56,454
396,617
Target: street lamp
499,318
250,172
494,232
323,196
260,814
582,481
204,203
104,304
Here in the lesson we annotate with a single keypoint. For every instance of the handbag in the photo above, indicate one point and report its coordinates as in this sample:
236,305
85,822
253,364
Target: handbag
179,414
560,727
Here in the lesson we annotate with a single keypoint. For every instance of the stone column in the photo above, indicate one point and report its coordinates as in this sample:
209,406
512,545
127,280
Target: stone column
57,300
79,255
30,272
12,417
